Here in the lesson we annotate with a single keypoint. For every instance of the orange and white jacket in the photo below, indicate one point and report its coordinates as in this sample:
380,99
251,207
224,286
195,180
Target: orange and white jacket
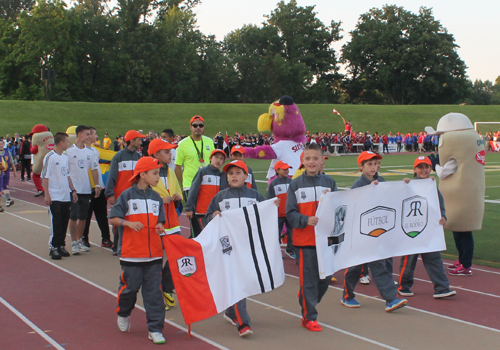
145,207
205,185
121,170
302,200
279,188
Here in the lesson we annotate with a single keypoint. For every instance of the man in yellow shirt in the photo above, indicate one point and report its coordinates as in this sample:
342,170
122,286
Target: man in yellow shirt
106,141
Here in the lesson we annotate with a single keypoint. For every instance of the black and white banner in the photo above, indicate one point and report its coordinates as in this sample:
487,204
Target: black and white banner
377,222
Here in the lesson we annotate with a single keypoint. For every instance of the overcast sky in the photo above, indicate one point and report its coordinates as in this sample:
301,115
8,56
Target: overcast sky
474,24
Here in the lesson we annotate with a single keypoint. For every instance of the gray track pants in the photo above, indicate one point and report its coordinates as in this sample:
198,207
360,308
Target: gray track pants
433,263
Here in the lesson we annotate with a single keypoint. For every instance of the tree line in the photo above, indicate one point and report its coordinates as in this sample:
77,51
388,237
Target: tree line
153,51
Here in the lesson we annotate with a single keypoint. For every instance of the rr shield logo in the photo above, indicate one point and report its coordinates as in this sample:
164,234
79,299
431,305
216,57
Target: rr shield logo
187,265
338,233
414,216
377,221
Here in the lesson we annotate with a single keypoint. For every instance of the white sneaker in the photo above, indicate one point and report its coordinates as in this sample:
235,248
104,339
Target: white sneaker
364,280
123,323
83,247
156,337
75,247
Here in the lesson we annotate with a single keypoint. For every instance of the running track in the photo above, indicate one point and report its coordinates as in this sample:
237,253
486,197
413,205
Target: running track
69,304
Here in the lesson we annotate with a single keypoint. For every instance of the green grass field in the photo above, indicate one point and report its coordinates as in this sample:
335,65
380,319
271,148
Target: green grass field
486,240
117,118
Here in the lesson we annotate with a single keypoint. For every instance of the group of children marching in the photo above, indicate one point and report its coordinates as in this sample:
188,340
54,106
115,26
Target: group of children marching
147,212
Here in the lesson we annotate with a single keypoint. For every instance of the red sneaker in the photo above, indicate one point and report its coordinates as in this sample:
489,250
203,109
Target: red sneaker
312,326
454,266
461,271
245,330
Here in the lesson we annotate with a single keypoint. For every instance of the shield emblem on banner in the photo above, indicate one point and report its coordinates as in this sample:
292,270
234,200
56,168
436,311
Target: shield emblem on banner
187,265
377,221
226,245
414,215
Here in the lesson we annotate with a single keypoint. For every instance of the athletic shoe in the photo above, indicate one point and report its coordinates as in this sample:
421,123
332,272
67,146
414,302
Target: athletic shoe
106,243
39,194
365,280
83,247
156,337
245,330
123,323
169,299
405,292
1,209
447,294
454,265
22,179
85,242
312,326
350,303
114,253
461,271
63,251
54,253
291,255
395,304
229,319
334,279
75,248
9,203
28,180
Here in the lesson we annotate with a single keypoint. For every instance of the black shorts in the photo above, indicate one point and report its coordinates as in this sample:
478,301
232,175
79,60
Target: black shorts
80,209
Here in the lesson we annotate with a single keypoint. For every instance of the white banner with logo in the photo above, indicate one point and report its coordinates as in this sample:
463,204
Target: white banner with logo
377,222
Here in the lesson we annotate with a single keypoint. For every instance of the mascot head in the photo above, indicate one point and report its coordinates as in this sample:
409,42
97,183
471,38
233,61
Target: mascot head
38,128
451,122
284,120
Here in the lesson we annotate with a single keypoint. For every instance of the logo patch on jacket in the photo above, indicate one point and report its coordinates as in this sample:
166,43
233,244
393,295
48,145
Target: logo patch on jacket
134,206
156,208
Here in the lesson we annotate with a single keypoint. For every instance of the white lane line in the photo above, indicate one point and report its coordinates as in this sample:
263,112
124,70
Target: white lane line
211,342
419,310
354,335
31,324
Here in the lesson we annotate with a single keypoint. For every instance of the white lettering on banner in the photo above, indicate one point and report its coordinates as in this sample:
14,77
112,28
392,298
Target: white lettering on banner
210,180
141,206
377,222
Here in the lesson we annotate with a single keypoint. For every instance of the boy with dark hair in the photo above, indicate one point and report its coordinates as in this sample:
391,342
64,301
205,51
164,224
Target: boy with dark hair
59,193
279,188
140,212
238,153
205,185
303,196
368,165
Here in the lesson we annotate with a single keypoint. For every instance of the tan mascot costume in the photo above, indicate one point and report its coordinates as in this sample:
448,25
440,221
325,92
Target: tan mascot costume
462,183
42,142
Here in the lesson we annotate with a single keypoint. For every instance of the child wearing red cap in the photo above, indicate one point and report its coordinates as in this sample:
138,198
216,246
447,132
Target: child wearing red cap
140,212
169,189
238,153
433,261
237,195
206,184
279,188
381,269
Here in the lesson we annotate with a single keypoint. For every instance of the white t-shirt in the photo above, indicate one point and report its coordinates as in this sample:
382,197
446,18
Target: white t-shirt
97,156
56,169
80,161
288,152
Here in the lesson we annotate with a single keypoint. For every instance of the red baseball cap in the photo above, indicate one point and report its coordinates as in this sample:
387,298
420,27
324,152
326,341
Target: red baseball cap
237,163
215,151
196,117
132,134
366,155
239,149
281,165
422,160
158,144
144,164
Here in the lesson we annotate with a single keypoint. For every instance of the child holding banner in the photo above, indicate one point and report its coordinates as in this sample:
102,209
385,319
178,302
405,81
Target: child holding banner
433,261
303,196
368,165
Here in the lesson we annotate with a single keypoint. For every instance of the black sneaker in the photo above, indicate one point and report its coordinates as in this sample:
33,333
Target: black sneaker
1,209
22,179
9,203
63,252
106,243
39,194
54,253
85,242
